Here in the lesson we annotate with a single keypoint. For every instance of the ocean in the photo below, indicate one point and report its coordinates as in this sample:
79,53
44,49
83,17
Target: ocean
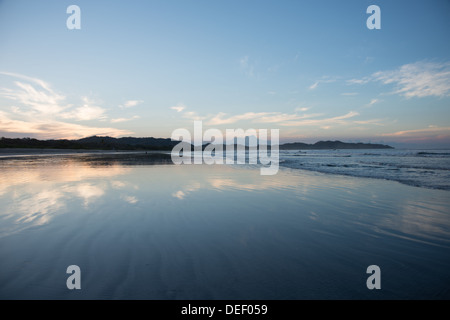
420,168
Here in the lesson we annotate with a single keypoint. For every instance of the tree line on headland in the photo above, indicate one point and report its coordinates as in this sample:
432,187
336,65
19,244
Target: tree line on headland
131,143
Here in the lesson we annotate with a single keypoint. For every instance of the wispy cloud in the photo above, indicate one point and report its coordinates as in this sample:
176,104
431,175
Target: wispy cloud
117,120
41,112
282,119
325,79
221,118
194,116
35,94
179,107
37,81
433,132
52,129
277,117
314,85
131,103
358,81
258,117
88,111
322,122
191,115
377,122
372,102
419,79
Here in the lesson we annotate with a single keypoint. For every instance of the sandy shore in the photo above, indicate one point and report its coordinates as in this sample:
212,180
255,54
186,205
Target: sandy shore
36,151
217,232
30,157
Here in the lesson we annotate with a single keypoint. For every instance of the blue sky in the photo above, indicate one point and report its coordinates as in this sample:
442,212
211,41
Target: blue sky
311,69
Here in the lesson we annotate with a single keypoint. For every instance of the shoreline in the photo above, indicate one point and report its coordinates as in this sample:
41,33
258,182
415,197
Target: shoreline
8,152
11,156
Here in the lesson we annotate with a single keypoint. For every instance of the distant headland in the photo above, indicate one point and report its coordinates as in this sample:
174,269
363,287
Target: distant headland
332,145
161,144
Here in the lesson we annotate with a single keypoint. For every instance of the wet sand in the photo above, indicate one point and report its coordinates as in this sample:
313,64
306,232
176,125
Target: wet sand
44,151
216,232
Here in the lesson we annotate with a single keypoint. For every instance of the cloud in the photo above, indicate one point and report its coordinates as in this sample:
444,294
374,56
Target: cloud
421,134
41,112
37,81
283,119
349,94
131,103
221,119
314,85
52,129
278,118
325,79
258,117
419,79
191,115
324,122
179,107
370,121
35,94
358,81
86,112
372,102
117,120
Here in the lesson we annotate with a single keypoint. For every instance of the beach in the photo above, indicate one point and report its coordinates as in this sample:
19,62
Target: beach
162,231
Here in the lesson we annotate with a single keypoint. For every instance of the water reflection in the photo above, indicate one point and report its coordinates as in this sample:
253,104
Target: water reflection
188,230
88,192
37,209
33,197
241,178
34,191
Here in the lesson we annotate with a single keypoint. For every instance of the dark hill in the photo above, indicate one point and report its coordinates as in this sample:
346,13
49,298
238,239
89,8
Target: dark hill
332,145
130,143
95,142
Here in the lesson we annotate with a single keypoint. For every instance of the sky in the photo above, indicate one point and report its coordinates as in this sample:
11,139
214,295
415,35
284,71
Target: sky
312,69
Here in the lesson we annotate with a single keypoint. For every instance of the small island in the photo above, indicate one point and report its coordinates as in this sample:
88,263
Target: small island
322,145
